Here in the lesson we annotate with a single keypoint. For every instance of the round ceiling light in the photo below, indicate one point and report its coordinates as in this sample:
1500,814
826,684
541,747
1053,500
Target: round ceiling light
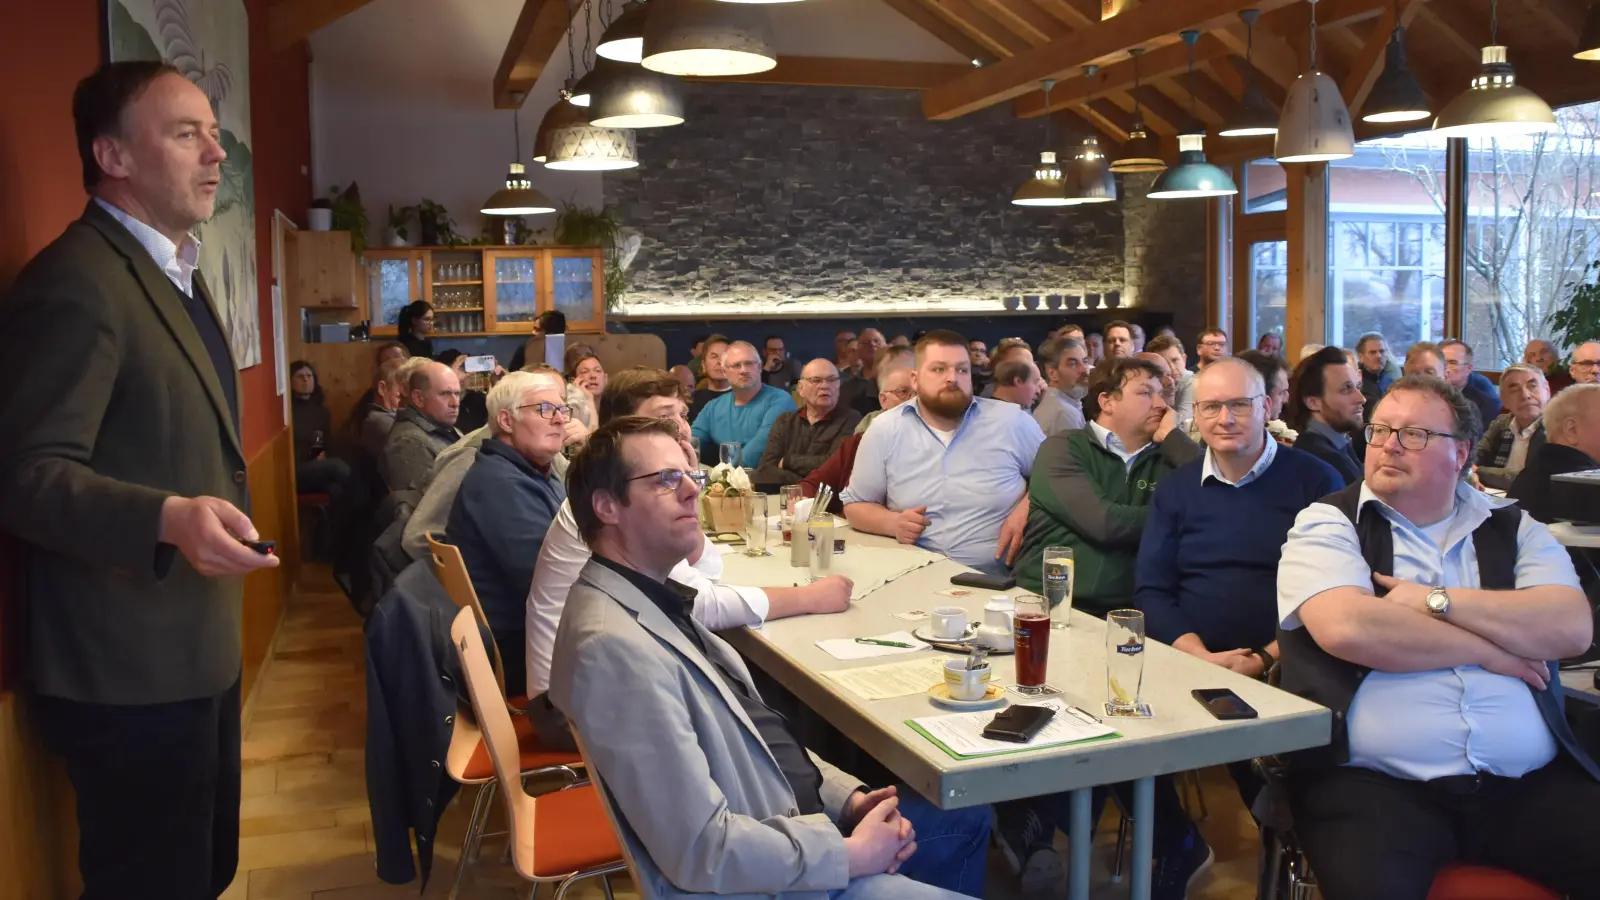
707,37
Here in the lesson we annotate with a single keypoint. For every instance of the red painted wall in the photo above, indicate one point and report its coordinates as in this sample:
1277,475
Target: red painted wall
43,56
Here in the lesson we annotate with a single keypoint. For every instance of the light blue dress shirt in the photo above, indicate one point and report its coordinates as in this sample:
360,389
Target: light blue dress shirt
968,487
1109,440
176,262
1426,725
1208,468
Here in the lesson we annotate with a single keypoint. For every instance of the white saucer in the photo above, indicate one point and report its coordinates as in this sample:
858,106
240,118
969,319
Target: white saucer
940,695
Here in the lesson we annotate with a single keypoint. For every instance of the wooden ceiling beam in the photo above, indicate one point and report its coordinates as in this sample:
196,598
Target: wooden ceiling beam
1075,14
980,26
1156,125
292,21
1272,90
1077,127
1369,65
1174,90
1024,19
1115,117
1160,107
822,71
1467,36
1272,56
942,31
1163,62
534,38
1062,57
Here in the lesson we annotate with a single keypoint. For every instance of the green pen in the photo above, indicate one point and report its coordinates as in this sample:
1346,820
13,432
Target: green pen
883,643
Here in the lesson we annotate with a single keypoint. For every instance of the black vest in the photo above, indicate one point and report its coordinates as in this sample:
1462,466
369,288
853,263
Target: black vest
1320,677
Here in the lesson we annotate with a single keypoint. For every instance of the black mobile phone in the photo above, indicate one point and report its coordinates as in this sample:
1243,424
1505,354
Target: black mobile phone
1223,703
1019,724
261,547
986,582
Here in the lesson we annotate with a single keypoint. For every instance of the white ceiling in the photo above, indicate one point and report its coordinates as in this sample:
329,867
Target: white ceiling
457,44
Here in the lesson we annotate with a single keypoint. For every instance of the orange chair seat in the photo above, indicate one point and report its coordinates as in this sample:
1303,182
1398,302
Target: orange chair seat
1464,882
571,833
534,754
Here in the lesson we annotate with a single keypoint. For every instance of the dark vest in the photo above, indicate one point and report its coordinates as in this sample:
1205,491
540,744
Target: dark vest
1321,677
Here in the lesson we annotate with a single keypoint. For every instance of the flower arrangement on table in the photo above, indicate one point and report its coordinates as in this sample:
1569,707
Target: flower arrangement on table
1282,432
723,503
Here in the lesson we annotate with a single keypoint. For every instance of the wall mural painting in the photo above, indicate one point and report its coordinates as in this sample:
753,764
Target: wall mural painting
209,42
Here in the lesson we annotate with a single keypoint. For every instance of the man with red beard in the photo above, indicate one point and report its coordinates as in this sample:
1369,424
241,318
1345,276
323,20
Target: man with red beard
947,471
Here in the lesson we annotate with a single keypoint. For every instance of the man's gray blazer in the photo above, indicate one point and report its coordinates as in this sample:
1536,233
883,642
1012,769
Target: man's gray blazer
705,808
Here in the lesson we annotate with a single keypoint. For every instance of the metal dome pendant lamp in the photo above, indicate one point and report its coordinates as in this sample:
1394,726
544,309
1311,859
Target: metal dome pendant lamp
1046,187
1088,174
1494,106
1141,152
707,37
1192,176
1255,116
518,197
1316,124
1397,97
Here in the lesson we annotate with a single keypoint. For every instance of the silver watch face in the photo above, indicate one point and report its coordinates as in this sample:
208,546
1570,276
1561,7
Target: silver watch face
1438,601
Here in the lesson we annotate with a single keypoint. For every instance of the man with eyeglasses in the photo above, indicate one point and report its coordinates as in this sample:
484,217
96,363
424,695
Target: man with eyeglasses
717,793
423,428
1212,346
1325,407
506,502
894,388
743,415
1473,385
1585,367
1424,614
803,439
1513,437
1208,562
1065,363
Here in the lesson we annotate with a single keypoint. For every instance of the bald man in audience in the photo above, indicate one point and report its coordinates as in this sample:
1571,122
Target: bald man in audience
803,439
1542,355
1017,381
1585,366
422,429
683,374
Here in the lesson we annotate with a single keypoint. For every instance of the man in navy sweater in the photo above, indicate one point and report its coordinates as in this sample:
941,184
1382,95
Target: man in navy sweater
1208,562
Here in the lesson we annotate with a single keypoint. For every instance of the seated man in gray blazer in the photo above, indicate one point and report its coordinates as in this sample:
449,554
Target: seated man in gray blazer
715,794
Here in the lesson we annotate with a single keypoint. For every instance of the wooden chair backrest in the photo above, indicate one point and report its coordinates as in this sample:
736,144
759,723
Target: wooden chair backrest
642,885
451,570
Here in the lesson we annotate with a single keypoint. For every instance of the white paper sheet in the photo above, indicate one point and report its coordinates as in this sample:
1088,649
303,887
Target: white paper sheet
901,679
962,733
848,648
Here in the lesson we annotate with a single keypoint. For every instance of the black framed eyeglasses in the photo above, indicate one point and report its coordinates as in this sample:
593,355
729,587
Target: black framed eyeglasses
1415,439
672,479
548,410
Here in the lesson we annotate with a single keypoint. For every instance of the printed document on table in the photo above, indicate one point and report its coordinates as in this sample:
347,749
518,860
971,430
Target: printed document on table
961,734
900,679
849,648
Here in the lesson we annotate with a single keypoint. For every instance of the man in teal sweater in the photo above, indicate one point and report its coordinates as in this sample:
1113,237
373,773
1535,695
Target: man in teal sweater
1090,489
744,414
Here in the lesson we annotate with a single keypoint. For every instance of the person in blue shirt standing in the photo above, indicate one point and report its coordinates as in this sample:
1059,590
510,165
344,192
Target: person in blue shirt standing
1425,614
745,413
947,471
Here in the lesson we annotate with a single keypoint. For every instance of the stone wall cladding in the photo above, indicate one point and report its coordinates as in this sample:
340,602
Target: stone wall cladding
1165,243
773,197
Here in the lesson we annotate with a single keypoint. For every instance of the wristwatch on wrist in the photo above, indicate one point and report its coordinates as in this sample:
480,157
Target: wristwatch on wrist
1439,602
1267,659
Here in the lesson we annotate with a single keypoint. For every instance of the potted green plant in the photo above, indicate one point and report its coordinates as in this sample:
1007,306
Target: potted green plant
578,227
349,215
1577,318
438,229
400,225
319,216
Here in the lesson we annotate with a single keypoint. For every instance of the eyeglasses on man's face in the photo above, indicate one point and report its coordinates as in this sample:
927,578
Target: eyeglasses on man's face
816,380
1411,438
1240,407
668,480
902,393
548,410
1585,364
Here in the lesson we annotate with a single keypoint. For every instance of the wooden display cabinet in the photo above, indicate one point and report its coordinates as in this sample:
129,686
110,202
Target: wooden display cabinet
478,291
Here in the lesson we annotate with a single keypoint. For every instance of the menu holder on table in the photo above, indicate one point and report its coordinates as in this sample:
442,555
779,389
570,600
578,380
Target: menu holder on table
961,734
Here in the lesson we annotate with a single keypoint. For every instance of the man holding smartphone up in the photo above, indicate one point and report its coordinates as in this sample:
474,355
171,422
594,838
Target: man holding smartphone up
122,474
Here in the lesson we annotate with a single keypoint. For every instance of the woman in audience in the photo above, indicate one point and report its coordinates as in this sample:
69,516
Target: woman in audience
416,323
586,379
315,471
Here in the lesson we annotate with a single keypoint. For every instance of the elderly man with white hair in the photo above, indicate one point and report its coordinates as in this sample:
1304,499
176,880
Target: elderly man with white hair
506,503
1517,434
803,439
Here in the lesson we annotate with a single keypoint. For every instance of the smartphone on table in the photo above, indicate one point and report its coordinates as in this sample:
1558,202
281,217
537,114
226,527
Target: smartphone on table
1223,703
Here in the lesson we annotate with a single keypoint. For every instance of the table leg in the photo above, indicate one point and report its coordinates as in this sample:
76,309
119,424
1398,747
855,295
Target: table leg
1080,841
1144,814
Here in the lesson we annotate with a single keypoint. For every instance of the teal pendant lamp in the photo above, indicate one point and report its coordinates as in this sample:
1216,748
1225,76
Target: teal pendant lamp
1192,176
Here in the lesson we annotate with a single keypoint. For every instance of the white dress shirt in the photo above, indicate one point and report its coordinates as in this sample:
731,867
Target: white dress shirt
563,556
1208,468
176,262
1109,440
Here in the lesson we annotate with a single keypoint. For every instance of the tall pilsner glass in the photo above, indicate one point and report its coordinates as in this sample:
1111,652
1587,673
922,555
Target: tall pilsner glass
1057,575
1124,660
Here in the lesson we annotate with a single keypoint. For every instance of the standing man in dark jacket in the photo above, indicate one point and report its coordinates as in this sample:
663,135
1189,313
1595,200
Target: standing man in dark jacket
506,504
1326,407
123,478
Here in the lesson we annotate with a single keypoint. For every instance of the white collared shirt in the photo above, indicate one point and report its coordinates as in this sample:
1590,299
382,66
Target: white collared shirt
1519,444
177,262
1208,468
1109,440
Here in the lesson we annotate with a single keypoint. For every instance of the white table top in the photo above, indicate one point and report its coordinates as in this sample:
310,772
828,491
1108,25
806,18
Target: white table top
1570,535
1182,735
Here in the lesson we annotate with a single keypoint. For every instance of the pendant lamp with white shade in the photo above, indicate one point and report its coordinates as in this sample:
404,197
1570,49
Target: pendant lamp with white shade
1255,116
1589,39
1046,187
1397,97
1141,152
708,38
1192,176
634,97
1494,105
576,146
623,39
1315,126
518,197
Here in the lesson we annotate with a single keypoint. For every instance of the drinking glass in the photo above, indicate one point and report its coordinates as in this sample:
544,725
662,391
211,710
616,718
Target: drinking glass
819,531
1057,578
730,453
1030,623
756,522
1124,660
789,496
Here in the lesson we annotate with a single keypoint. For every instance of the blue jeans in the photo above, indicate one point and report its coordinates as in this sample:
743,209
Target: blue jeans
952,846
891,887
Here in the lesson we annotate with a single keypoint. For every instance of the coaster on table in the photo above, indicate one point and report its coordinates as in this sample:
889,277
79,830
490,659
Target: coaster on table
1142,711
1032,693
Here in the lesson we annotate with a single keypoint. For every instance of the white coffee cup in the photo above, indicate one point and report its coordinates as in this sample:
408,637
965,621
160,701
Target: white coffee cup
964,683
949,622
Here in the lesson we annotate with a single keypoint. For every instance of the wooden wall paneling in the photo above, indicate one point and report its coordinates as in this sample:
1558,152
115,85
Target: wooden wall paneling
39,840
615,351
273,510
